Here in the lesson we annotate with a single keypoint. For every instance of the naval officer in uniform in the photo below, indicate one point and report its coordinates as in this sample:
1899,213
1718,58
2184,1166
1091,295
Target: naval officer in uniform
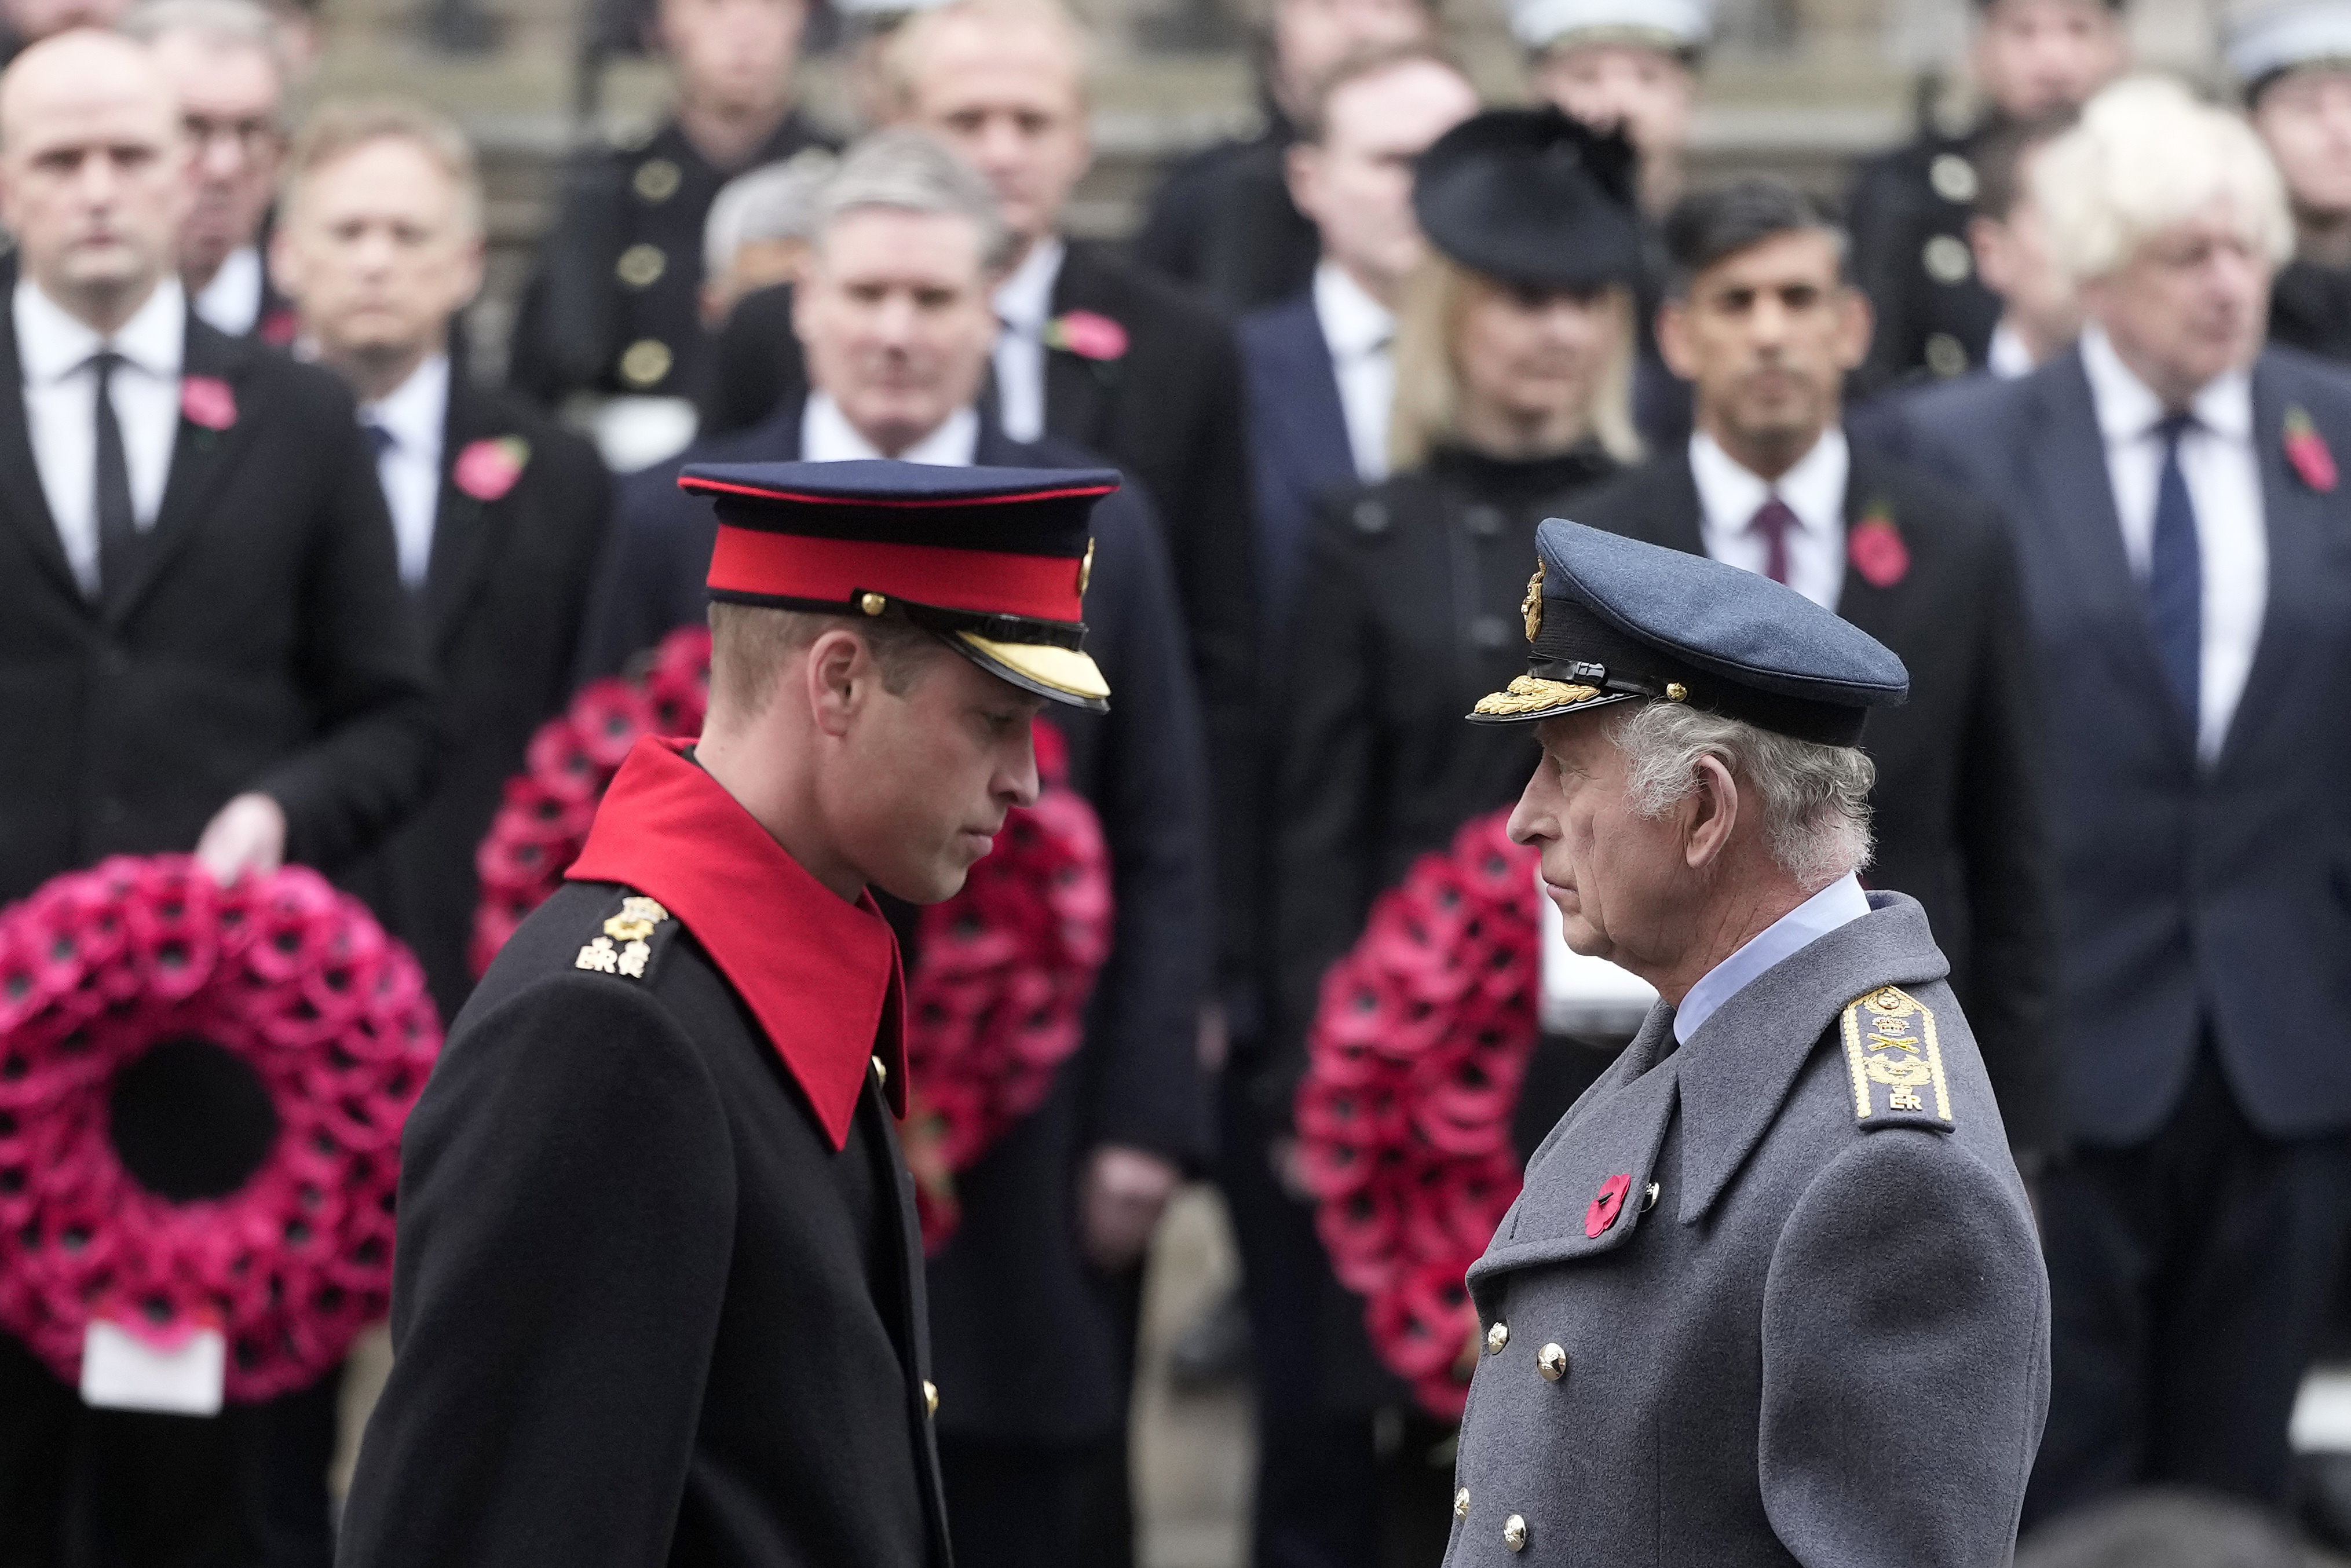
659,1295
1772,1292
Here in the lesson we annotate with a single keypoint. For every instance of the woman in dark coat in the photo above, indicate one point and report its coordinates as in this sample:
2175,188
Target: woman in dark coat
1513,355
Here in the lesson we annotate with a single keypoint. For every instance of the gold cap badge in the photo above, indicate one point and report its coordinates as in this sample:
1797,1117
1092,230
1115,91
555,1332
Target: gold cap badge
1531,605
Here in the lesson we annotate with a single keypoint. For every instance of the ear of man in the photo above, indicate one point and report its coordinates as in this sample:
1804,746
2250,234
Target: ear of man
752,646
1709,814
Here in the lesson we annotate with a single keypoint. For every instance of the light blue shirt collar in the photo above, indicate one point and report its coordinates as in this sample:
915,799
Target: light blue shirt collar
1839,904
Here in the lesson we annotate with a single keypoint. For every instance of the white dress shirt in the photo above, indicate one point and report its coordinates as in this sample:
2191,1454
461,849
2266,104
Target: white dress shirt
1024,303
827,436
61,409
2225,485
1840,903
416,415
231,302
1360,333
1729,495
2007,356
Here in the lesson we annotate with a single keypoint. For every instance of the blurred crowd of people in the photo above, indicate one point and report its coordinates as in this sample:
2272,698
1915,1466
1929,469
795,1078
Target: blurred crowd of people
2051,408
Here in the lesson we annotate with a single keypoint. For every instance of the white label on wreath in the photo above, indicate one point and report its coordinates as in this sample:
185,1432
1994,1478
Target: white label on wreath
121,1371
1584,996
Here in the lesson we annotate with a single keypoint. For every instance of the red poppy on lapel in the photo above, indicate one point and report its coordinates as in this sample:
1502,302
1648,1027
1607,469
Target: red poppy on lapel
488,469
207,400
2307,450
1604,1210
1087,335
278,328
1876,550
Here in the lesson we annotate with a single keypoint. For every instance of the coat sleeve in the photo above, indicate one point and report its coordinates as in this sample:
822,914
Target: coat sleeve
2004,849
1151,794
1905,1360
1326,788
363,668
565,1218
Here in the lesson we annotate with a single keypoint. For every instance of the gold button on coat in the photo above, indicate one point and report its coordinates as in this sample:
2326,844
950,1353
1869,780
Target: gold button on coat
656,179
1552,1362
1953,177
1947,260
1461,1503
645,363
1649,1198
930,1397
1946,356
1496,1338
1514,1533
641,265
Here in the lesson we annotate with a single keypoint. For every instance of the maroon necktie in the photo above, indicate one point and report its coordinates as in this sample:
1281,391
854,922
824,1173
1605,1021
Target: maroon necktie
1774,520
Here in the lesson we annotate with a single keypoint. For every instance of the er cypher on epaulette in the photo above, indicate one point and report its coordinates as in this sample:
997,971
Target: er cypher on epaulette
627,946
1889,1041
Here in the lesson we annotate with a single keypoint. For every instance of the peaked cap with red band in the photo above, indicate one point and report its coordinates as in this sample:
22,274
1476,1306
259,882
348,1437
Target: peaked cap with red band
995,560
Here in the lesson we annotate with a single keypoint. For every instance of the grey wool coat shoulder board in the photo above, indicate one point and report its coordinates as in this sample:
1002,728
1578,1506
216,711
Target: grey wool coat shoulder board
1732,1319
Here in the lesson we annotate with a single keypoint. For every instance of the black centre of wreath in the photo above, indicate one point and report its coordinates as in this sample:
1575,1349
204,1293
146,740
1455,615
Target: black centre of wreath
190,1121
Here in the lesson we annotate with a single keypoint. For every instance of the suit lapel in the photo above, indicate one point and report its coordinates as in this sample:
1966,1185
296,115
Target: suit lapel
20,478
201,459
466,531
2293,517
1887,613
1077,390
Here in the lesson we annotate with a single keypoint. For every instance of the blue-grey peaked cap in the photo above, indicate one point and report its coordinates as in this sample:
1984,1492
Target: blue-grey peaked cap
1610,620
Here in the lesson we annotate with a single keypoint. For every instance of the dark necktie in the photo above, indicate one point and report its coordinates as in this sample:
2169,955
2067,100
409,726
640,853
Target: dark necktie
2175,578
1774,519
118,523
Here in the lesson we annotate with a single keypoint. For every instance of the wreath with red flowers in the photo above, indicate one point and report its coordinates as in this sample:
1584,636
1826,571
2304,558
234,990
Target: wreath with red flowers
106,972
996,998
1415,1059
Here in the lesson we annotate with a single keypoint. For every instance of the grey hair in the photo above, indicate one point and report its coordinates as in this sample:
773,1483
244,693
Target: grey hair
905,170
1814,797
221,24
775,201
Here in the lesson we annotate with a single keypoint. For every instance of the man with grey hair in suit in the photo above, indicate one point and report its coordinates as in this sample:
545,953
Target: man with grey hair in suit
1770,1294
2179,516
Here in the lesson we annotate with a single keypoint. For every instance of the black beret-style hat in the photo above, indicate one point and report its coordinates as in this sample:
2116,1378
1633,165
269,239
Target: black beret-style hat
1615,619
1530,197
995,560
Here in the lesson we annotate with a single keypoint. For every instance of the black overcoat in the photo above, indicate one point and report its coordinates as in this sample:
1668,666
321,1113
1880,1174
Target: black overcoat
504,597
1957,807
1908,213
1223,223
1028,1336
644,1310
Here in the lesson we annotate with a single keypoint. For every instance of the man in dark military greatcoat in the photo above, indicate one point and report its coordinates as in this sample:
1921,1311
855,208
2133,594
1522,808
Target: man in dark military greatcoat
1909,209
1772,1294
614,309
660,1290
2294,60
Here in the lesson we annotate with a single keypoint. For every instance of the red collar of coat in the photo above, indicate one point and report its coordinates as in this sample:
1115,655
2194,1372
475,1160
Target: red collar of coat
820,975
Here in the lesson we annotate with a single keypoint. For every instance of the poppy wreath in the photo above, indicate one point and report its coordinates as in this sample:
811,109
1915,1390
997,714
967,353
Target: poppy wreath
114,978
1414,1058
996,998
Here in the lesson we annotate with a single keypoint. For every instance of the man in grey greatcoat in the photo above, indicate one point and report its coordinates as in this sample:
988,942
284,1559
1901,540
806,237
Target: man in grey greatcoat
1772,1294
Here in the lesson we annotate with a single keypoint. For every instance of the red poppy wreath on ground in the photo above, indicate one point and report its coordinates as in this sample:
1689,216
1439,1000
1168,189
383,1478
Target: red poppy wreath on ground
996,998
1413,1063
116,985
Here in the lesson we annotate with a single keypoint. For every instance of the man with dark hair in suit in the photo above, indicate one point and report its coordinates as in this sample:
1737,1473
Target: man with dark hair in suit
1321,370
205,646
1032,1298
2174,490
1911,208
612,312
1762,320
1223,222
498,513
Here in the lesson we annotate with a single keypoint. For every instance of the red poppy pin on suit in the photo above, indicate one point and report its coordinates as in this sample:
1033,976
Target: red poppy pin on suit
207,401
1087,335
1605,1208
2307,451
1876,550
488,469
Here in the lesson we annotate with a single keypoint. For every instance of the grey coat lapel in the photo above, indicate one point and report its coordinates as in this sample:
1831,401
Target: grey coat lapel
1739,1067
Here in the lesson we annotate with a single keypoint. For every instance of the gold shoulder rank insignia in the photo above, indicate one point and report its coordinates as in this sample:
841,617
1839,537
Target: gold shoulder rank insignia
623,948
1890,1046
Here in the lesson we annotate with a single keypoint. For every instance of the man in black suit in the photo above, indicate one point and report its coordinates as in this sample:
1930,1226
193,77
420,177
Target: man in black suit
497,512
204,645
2177,502
1032,1300
1223,223
1763,322
227,65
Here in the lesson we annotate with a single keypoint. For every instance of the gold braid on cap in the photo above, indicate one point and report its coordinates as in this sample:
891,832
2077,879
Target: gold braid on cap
1532,694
